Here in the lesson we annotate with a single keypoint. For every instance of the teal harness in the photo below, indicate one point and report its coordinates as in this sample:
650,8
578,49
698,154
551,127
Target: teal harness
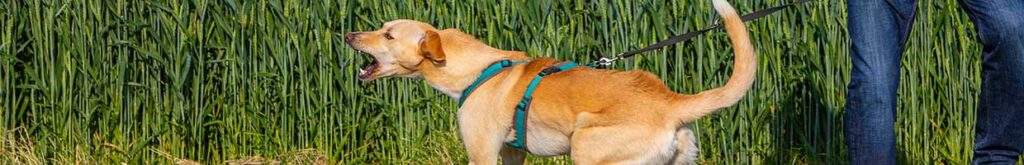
524,105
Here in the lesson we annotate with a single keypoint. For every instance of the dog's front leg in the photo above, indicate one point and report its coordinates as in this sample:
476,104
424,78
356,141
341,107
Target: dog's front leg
512,156
482,135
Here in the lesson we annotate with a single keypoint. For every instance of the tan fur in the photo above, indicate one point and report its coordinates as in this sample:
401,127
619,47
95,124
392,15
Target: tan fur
599,116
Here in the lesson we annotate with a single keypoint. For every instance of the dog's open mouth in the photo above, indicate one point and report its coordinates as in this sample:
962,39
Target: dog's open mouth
368,70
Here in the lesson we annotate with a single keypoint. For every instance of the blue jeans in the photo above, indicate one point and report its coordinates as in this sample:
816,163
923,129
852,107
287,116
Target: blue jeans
879,31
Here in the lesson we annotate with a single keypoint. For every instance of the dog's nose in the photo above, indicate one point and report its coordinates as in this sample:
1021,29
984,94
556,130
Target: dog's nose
350,36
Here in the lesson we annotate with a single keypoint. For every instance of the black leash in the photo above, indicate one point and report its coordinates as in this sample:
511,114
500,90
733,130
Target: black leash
606,61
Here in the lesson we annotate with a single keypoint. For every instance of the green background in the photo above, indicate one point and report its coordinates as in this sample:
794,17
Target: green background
158,81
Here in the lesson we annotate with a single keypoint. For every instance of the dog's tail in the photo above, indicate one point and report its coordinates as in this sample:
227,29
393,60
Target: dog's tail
743,72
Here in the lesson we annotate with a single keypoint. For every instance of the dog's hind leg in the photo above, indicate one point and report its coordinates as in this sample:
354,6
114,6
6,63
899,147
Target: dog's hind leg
512,156
686,147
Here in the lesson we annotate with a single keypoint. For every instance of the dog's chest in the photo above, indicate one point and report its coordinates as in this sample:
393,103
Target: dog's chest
546,142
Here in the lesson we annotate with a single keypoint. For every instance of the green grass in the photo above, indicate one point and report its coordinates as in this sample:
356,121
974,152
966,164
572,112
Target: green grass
110,81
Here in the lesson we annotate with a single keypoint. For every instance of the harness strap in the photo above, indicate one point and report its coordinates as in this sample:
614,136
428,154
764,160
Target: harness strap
524,105
492,70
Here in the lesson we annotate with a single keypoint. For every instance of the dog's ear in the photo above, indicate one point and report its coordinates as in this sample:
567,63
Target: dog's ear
430,46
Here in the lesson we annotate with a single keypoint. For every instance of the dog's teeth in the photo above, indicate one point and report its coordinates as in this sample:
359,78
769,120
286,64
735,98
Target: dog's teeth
361,71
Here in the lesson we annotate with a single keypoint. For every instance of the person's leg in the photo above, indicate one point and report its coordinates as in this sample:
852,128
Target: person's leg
879,30
1000,27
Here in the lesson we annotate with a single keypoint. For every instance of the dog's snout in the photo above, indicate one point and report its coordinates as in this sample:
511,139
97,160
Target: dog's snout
350,36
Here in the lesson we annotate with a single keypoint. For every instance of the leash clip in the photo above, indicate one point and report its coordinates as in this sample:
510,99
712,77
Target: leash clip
604,62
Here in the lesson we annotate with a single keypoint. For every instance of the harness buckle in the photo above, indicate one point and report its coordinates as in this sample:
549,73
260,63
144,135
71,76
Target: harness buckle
550,70
523,104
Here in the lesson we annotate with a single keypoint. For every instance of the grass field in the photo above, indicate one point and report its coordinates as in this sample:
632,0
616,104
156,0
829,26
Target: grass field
221,81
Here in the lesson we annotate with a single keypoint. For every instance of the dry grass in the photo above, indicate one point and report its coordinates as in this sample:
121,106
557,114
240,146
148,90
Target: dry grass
16,149
174,159
252,160
303,156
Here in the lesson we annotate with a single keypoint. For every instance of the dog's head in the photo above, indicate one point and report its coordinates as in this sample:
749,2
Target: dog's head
398,49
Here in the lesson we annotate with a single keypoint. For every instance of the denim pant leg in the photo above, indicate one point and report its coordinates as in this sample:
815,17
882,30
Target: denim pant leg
1000,28
879,30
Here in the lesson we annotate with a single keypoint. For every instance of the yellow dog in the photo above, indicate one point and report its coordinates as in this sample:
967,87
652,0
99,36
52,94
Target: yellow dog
597,116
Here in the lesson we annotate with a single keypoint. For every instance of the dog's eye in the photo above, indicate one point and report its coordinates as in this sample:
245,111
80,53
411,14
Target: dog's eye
388,36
